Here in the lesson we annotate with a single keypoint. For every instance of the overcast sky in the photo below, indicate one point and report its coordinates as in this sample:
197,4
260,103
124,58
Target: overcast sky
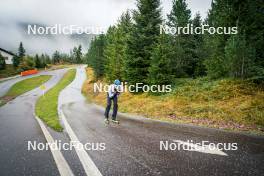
16,14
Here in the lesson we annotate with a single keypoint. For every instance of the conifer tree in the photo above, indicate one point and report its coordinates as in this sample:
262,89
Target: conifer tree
144,34
160,72
15,61
198,52
239,56
95,57
220,15
77,54
18,58
56,57
180,16
116,46
21,50
112,53
37,62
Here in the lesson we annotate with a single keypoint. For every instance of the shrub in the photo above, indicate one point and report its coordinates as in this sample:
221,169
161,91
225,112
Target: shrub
2,62
27,63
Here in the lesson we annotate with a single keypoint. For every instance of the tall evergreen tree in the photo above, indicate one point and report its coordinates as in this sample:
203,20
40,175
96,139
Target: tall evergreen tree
116,45
144,34
21,50
47,59
239,56
226,50
43,60
180,16
18,58
112,55
74,53
79,54
95,56
249,19
135,51
220,15
56,57
15,61
160,72
198,52
37,62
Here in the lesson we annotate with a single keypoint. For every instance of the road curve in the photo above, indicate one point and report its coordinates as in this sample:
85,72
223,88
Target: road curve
6,85
133,147
18,126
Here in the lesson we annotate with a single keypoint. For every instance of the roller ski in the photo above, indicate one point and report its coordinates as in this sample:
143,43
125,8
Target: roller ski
106,121
115,121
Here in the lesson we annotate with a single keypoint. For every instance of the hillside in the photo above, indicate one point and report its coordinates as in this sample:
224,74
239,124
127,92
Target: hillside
224,103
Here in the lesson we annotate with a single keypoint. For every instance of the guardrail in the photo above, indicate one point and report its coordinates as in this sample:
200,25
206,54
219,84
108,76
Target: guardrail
29,72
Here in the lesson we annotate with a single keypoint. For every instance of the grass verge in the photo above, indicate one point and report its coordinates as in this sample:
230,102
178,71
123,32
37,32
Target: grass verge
23,86
46,106
226,104
11,71
59,66
8,71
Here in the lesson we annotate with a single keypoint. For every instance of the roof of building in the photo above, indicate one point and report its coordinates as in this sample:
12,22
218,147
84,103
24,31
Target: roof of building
1,49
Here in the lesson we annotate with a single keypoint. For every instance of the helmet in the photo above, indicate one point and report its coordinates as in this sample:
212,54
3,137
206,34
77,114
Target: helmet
117,82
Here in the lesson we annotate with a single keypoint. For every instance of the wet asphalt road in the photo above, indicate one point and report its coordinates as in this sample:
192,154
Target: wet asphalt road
133,147
17,127
6,85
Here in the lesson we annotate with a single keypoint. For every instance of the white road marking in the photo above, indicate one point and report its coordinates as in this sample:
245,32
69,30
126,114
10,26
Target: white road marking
88,165
72,93
62,165
201,149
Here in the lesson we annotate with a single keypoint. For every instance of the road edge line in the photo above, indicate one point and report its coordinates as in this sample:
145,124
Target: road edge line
9,78
86,161
62,165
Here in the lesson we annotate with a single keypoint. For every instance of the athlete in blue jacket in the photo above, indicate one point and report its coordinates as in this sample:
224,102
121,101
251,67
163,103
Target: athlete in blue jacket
114,91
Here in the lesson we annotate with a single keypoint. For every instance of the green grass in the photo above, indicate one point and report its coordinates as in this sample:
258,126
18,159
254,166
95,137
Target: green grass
11,71
24,86
46,106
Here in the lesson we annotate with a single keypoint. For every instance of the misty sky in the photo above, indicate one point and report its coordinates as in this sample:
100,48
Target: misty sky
15,15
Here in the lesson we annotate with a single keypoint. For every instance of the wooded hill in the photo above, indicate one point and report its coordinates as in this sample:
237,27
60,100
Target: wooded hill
134,50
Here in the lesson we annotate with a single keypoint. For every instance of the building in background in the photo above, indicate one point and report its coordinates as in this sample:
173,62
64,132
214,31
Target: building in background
7,55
